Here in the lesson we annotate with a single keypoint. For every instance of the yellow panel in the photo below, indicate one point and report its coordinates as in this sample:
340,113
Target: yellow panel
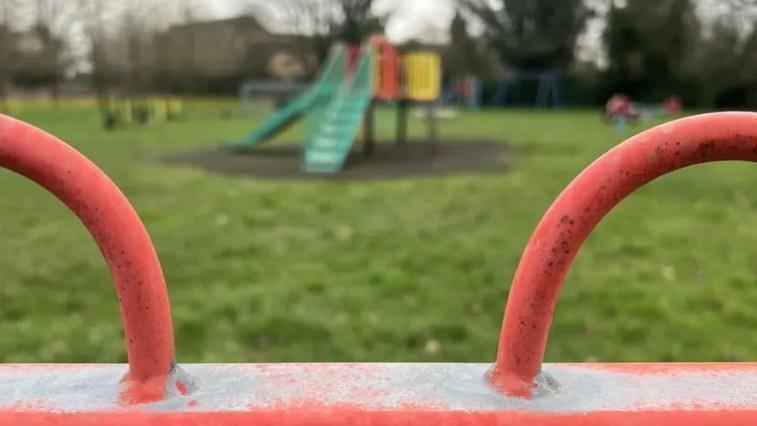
422,76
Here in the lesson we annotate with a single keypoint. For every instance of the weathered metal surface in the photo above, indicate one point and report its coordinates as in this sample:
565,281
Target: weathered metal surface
251,392
578,209
119,233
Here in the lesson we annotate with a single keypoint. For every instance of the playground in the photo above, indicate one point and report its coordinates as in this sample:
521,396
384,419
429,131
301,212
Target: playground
373,212
339,112
412,268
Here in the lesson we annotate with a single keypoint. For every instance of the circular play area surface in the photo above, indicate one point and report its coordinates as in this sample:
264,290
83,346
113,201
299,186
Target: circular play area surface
389,160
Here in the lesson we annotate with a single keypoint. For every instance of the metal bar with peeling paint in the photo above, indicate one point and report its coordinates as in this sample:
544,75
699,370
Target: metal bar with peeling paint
121,237
517,390
579,208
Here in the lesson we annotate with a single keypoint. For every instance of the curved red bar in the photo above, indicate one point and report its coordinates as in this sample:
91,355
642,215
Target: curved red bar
119,233
578,209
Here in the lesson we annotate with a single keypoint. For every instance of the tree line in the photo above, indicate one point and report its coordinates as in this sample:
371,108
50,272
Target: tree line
702,50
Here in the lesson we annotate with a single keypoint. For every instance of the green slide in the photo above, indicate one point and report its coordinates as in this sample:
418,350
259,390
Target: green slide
332,126
325,86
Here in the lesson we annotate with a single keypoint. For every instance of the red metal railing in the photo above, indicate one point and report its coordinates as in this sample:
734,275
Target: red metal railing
578,209
119,233
384,393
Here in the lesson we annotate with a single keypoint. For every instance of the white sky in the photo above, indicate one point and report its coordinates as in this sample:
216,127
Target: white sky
427,20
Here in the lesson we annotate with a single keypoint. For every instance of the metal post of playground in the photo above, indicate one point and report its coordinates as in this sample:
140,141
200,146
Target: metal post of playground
432,123
369,137
402,109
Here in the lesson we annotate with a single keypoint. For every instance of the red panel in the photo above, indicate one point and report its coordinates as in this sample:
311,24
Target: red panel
388,58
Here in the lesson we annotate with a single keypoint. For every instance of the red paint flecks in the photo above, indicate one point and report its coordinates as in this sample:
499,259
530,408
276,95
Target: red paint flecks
348,416
674,368
181,387
143,391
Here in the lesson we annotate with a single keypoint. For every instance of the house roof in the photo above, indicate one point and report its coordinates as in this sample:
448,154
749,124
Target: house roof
246,21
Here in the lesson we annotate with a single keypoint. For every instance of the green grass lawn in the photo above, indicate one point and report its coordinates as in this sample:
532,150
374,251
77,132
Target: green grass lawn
398,270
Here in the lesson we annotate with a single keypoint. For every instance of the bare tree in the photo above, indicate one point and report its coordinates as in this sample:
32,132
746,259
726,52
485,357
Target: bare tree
356,20
137,24
530,33
7,48
312,22
318,23
191,12
724,62
52,24
97,17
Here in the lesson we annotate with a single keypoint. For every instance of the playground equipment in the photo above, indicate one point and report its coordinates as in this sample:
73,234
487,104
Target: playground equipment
342,98
129,111
672,105
621,110
422,80
280,91
549,88
467,91
322,89
386,70
518,389
332,125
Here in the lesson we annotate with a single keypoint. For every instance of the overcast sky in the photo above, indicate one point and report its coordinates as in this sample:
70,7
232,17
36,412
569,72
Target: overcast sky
429,20
424,19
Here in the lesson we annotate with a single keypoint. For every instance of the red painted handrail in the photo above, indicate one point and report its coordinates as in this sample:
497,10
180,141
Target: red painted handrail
119,233
145,309
580,207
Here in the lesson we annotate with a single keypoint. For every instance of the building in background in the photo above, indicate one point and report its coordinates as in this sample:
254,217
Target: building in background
218,55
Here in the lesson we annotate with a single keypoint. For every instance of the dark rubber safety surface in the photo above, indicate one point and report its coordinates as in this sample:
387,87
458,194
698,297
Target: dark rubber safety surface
389,160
